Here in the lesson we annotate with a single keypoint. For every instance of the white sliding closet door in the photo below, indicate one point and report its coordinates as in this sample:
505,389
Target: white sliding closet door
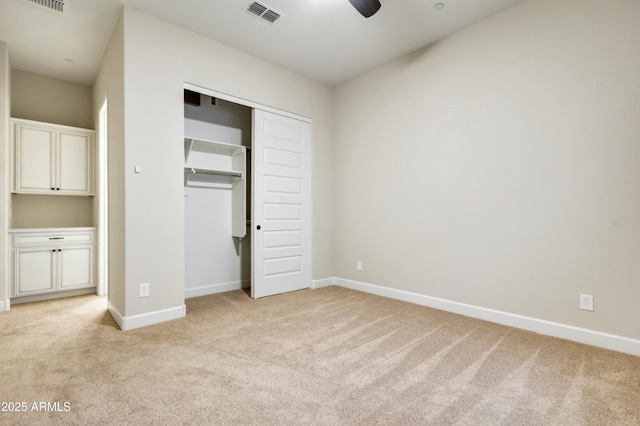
281,210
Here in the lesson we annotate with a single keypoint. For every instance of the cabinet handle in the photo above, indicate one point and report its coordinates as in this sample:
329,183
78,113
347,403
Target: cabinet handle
57,189
52,189
56,238
59,249
258,227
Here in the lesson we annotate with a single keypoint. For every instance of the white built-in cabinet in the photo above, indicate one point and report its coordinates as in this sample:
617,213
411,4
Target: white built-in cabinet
52,260
211,164
51,158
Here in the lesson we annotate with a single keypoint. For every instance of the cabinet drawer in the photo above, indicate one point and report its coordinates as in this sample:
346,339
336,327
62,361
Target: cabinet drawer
53,239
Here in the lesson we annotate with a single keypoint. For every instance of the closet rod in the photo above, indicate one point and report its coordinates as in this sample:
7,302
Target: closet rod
195,171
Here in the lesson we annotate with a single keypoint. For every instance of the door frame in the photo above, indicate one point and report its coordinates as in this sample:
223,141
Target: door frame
102,183
255,105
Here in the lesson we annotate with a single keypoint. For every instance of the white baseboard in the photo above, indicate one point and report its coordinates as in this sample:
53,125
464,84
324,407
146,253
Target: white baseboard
52,296
568,332
150,318
4,305
214,288
325,282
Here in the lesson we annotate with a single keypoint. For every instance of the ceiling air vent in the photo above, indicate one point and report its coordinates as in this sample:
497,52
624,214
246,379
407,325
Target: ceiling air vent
263,12
55,5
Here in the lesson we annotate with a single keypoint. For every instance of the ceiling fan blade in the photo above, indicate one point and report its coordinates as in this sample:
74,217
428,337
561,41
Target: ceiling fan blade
366,8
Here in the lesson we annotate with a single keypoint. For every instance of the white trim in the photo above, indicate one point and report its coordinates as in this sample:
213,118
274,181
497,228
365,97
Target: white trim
325,282
52,296
206,290
244,102
150,318
4,305
563,331
115,314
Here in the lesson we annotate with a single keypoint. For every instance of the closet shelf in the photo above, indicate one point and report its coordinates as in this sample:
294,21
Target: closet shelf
220,166
207,148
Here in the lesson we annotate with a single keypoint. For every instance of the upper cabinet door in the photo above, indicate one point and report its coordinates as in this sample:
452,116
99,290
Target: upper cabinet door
34,151
74,163
52,159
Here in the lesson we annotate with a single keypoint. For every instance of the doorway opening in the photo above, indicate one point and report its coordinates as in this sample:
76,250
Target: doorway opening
217,213
103,201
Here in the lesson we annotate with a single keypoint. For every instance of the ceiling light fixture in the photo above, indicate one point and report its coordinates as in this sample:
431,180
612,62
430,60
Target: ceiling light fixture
438,6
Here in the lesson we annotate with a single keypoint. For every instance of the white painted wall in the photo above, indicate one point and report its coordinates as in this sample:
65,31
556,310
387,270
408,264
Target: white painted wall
109,85
5,199
214,260
499,167
158,59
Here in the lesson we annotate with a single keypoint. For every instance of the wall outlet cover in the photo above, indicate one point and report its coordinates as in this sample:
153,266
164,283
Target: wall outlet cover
586,302
144,290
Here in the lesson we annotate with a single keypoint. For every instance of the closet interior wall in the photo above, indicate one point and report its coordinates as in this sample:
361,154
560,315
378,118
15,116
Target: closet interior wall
215,261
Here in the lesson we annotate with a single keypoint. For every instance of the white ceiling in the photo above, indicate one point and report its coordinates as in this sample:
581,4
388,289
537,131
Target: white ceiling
327,40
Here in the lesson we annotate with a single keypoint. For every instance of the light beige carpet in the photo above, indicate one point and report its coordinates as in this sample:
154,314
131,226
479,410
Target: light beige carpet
331,356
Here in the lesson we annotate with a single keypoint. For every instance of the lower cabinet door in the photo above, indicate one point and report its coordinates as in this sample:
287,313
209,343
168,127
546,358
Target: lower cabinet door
76,267
35,271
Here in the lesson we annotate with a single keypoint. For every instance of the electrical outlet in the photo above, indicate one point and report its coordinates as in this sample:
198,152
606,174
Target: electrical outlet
359,265
144,290
586,302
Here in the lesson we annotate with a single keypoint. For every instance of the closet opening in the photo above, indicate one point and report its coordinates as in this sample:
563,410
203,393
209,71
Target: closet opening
247,196
217,195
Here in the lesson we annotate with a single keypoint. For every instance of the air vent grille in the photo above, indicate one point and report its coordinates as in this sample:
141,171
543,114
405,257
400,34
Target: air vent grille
270,16
263,12
59,6
256,8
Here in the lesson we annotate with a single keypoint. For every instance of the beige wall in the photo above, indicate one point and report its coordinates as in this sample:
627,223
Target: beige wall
109,85
158,59
5,200
51,211
500,166
40,98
